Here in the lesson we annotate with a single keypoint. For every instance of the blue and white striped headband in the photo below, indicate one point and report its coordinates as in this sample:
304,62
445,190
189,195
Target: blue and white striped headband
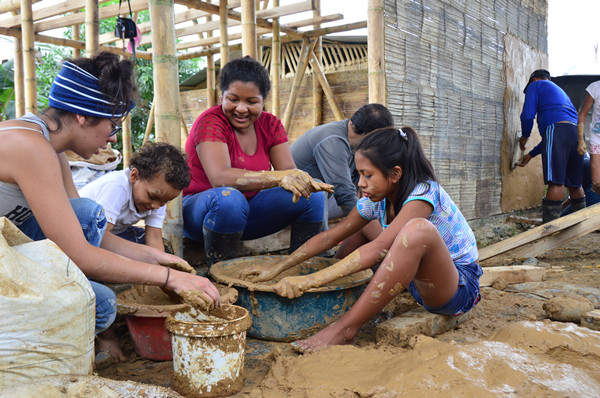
76,90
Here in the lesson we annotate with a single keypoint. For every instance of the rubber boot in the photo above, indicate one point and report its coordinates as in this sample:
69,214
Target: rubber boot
577,204
551,210
303,231
219,247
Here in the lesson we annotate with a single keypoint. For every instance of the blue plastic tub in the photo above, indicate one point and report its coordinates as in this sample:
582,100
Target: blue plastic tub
280,319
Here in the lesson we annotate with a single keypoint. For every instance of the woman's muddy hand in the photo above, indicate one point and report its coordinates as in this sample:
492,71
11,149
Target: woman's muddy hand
196,286
293,286
298,183
259,273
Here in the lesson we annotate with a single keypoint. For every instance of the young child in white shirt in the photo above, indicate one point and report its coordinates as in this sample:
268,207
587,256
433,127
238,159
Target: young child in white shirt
157,173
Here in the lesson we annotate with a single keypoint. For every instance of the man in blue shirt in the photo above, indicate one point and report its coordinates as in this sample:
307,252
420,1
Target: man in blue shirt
557,123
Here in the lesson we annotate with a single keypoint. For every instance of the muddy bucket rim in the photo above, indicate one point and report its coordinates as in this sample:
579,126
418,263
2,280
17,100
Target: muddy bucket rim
210,328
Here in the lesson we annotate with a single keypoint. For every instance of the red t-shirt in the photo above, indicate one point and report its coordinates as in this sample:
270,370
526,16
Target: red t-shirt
213,126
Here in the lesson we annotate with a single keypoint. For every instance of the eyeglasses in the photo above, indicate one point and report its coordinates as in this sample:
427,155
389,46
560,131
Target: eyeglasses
115,129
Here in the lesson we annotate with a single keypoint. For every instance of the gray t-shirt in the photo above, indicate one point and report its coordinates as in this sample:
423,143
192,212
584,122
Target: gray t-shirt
325,153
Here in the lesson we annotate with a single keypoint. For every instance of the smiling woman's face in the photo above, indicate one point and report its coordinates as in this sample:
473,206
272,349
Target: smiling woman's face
242,104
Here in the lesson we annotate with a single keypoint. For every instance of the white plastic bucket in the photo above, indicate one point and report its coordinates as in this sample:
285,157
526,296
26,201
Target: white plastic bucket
208,350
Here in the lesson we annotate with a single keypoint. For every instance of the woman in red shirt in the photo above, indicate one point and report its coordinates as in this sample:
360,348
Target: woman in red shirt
245,184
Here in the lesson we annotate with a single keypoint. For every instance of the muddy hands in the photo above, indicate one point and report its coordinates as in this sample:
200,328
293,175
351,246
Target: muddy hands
300,183
294,286
259,273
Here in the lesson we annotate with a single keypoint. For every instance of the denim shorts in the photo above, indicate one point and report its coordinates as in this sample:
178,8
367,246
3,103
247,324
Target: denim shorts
466,296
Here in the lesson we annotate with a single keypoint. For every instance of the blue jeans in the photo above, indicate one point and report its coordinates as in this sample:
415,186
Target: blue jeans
93,223
226,210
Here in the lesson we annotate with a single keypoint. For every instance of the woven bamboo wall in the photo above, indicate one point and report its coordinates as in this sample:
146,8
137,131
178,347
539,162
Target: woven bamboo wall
444,71
350,89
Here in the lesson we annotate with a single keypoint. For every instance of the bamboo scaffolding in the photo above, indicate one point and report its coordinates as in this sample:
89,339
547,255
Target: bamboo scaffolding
59,41
284,39
18,76
223,34
211,92
375,40
317,97
149,125
249,28
28,57
276,65
307,47
320,76
92,26
167,114
46,12
76,36
12,5
127,142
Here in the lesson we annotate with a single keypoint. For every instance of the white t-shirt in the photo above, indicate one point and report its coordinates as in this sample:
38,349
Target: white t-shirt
594,90
114,192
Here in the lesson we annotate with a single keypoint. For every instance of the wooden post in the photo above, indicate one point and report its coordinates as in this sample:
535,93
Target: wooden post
127,141
167,115
317,96
307,47
28,57
210,74
223,35
276,65
375,43
249,28
18,76
319,75
76,36
92,27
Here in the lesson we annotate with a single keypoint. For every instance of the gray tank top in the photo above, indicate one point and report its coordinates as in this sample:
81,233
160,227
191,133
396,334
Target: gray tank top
12,201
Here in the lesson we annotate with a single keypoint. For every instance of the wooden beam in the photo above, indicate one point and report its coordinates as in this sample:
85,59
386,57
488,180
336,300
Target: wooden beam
103,12
59,41
547,236
12,5
317,91
320,75
46,12
376,42
307,48
30,80
149,124
512,274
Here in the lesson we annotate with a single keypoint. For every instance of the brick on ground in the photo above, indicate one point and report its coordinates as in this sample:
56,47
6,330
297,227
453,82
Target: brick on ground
398,330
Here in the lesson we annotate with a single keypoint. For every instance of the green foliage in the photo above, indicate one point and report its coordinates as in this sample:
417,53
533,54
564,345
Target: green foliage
7,84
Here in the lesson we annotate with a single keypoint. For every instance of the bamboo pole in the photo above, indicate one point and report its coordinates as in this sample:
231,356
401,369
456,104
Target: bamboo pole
12,5
18,76
92,27
149,124
210,74
307,47
184,132
276,65
317,94
375,43
76,36
249,28
59,41
28,57
166,96
322,79
127,142
223,34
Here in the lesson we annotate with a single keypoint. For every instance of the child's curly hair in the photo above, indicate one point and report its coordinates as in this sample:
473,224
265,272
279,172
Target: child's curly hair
153,158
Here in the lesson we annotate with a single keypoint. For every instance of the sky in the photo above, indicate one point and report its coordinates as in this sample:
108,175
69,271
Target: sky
573,32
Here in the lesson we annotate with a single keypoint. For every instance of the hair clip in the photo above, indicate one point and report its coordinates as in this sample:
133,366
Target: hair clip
403,134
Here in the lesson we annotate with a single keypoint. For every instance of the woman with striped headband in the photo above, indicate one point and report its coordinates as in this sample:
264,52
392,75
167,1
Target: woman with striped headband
88,100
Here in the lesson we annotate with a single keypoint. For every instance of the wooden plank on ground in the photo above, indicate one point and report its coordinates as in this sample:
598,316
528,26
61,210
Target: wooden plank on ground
512,274
553,234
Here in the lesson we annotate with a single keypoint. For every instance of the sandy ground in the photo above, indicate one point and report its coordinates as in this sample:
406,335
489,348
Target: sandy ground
508,347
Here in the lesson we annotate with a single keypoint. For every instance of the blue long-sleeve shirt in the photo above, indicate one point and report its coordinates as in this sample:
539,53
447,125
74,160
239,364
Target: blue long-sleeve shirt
550,103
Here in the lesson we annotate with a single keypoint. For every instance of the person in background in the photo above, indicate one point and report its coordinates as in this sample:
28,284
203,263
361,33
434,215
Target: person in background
156,175
245,184
562,154
591,197
592,98
88,100
326,152
426,245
